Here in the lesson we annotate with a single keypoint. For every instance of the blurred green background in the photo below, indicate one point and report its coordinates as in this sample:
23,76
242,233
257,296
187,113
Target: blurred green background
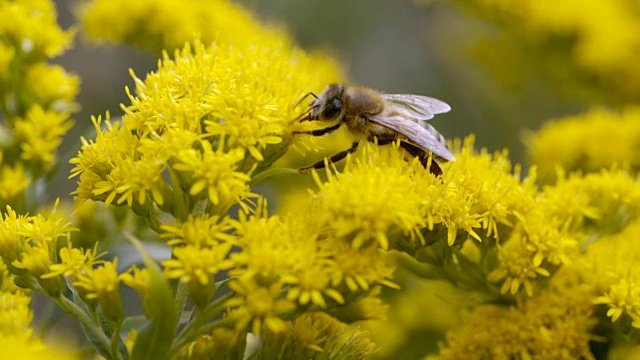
398,46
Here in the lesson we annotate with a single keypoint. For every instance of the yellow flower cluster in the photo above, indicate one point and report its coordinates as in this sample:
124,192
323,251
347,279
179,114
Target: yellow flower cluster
319,336
556,324
207,119
36,98
18,236
588,142
166,25
583,41
600,211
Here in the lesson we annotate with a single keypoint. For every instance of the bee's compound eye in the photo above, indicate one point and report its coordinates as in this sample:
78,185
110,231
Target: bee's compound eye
332,109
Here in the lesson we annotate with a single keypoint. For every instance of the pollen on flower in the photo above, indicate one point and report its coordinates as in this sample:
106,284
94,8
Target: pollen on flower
258,307
198,231
214,174
198,265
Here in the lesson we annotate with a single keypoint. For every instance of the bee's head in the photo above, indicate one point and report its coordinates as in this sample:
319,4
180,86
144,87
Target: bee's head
328,105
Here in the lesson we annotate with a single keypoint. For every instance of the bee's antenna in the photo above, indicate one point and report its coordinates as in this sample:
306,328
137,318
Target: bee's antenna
304,97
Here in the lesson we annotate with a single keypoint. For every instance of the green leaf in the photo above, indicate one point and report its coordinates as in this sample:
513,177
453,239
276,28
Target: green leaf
155,337
96,341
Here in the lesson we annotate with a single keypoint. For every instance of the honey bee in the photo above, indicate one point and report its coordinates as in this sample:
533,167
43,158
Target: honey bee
369,114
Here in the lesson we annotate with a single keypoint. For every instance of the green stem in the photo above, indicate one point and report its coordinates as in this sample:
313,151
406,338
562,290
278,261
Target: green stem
199,325
115,341
180,207
271,172
71,308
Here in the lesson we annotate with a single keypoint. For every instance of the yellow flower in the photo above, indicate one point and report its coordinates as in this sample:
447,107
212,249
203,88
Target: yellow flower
33,29
15,315
74,262
132,181
517,268
214,174
52,87
102,284
623,297
567,142
310,285
554,324
167,25
11,241
258,306
375,196
197,265
269,247
198,231
16,333
318,336
586,48
13,181
40,133
35,260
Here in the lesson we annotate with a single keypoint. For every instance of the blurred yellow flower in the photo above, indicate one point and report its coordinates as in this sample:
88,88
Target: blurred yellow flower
587,142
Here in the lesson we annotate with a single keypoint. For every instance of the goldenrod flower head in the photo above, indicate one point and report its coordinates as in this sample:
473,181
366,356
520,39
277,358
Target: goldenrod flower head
132,181
606,200
358,269
101,281
318,336
495,188
35,259
198,231
311,283
11,239
257,306
75,262
599,40
375,195
13,181
102,284
52,87
15,315
33,28
568,142
47,227
197,264
213,174
518,268
269,247
6,279
613,260
623,297
40,133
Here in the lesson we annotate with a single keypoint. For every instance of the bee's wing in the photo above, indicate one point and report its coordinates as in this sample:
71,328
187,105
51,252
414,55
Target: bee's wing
417,107
422,135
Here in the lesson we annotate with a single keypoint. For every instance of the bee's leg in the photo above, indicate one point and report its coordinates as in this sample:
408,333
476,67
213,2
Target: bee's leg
381,142
319,132
334,158
415,151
